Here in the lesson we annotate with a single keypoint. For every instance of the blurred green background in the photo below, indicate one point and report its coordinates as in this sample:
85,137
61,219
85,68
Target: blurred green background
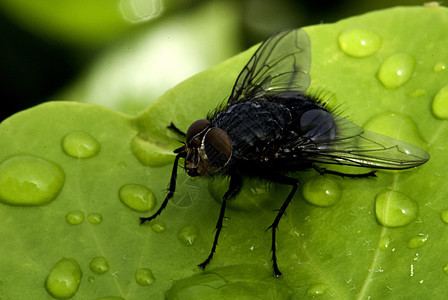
124,54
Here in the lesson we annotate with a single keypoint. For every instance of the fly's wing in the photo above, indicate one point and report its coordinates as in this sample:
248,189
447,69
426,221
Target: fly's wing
335,140
281,63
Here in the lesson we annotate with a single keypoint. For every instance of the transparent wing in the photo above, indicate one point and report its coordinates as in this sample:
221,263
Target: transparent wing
345,143
281,63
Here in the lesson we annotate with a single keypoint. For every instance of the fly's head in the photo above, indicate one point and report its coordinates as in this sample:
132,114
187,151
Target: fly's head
208,149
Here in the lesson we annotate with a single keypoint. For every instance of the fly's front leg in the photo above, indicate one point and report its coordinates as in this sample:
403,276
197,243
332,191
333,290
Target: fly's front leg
171,189
295,184
176,130
234,189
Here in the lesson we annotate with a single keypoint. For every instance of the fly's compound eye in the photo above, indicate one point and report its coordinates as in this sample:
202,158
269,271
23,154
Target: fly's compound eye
196,128
217,147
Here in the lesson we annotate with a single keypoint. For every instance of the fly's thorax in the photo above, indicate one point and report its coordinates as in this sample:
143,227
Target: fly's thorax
208,149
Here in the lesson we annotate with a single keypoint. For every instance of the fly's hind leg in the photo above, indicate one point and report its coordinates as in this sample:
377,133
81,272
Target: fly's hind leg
323,171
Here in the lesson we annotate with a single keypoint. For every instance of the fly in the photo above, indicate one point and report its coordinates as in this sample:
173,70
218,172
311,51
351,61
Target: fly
270,128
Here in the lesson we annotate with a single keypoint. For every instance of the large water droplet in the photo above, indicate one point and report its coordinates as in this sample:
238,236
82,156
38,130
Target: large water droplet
439,67
137,197
29,180
188,234
144,277
396,70
418,241
394,209
321,191
440,103
148,153
95,218
75,217
317,290
63,280
99,265
80,144
359,42
397,126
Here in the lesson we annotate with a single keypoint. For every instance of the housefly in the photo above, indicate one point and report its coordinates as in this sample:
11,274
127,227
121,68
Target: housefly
270,128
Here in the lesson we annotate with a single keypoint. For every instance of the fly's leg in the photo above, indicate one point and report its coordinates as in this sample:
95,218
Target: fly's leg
176,130
234,188
323,171
171,189
295,184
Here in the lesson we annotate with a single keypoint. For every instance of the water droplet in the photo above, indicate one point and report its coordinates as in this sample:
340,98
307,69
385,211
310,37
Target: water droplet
137,197
75,217
158,226
95,218
396,70
397,126
80,144
440,103
444,215
29,180
384,243
439,67
321,191
418,241
99,265
445,268
395,209
148,153
63,280
317,290
91,279
417,93
188,234
144,277
359,42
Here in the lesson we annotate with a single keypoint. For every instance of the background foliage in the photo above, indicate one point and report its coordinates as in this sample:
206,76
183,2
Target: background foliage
53,50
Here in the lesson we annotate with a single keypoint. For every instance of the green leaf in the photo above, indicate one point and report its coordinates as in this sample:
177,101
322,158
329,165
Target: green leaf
74,160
